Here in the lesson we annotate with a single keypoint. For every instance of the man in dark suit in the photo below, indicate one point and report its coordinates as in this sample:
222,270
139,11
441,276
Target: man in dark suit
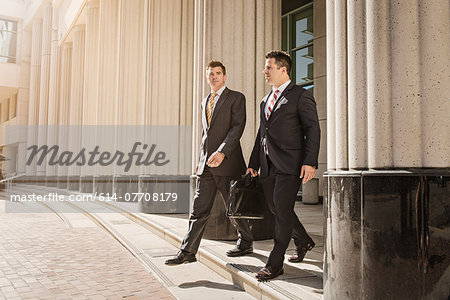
286,148
220,161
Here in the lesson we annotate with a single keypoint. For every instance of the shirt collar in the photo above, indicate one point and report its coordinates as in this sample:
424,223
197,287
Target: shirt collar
282,87
220,91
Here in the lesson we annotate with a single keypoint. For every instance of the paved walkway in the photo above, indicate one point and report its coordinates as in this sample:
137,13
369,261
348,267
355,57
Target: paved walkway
41,257
58,252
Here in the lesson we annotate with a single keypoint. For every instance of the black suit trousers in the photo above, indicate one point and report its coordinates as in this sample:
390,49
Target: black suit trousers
280,191
205,192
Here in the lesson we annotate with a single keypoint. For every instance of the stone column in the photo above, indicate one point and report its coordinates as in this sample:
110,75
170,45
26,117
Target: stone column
331,137
168,106
90,90
320,86
186,86
238,33
35,79
246,31
108,62
64,105
21,158
9,166
340,83
433,50
379,120
387,198
170,30
76,103
44,84
107,88
131,83
23,96
53,100
357,86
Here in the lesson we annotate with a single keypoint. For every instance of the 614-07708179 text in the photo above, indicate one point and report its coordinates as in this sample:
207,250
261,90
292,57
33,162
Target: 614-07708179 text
163,197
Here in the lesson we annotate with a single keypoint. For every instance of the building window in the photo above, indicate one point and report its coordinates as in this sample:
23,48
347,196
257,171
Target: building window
298,41
8,41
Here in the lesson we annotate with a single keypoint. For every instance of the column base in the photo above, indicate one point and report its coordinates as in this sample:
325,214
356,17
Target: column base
62,182
87,184
40,180
29,179
102,184
51,181
73,183
125,188
164,194
387,234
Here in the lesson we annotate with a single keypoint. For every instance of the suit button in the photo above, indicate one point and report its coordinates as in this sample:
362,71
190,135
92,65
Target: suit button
267,128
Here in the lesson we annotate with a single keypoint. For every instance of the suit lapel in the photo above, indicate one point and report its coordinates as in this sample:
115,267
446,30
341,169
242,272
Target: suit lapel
204,121
283,94
286,90
223,97
263,107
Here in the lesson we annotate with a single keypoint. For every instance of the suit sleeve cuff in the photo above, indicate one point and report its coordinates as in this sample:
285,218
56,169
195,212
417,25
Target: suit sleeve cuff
220,149
311,163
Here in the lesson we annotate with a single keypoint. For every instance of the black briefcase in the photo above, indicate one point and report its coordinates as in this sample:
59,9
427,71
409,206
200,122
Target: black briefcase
246,199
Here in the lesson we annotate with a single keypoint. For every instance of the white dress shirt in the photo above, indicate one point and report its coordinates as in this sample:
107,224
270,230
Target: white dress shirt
280,89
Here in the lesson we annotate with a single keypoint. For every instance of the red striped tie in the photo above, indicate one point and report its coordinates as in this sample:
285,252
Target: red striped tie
273,100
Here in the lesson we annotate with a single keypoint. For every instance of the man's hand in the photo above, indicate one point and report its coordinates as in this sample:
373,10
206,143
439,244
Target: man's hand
307,173
215,159
253,171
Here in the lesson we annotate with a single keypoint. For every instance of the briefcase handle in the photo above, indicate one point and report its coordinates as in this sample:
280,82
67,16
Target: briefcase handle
248,179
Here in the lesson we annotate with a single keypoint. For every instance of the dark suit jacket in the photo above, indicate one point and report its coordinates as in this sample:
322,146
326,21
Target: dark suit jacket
292,133
224,134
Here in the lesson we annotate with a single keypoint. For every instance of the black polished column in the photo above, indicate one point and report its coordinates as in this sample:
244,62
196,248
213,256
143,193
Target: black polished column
387,234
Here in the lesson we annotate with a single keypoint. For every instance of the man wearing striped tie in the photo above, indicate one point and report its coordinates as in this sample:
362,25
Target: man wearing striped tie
286,148
220,161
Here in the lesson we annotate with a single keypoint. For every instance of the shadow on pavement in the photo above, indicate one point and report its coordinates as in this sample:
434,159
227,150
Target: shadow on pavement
207,284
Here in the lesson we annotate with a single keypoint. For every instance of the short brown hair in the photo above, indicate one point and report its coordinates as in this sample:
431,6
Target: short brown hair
216,63
282,59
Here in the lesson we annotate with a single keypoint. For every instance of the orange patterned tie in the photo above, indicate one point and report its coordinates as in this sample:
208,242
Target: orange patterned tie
209,109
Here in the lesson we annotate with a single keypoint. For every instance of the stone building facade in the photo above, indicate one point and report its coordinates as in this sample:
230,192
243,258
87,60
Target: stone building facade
380,78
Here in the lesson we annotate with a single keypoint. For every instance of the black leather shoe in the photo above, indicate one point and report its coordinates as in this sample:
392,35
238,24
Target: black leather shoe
300,252
181,258
267,273
239,251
